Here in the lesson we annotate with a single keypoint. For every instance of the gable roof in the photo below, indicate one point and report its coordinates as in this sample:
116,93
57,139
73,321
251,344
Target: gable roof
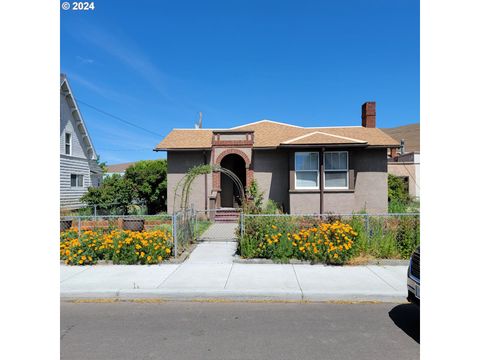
67,92
271,134
318,137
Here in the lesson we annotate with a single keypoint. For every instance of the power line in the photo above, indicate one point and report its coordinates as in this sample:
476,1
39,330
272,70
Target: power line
118,118
143,149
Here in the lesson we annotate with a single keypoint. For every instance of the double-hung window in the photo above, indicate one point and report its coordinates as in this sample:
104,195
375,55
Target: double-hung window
306,170
76,180
336,169
68,144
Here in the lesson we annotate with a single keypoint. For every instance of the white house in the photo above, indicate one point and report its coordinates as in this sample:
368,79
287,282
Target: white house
78,160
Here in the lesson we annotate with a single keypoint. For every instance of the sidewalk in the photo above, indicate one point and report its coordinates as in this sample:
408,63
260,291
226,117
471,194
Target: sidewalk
210,273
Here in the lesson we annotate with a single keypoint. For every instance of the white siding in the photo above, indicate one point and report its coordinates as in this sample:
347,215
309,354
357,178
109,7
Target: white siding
69,124
77,162
70,196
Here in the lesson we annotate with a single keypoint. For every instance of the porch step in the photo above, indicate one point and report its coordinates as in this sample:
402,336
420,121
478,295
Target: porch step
226,215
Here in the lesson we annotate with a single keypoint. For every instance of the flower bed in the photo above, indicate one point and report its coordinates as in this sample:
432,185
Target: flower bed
118,246
331,243
379,237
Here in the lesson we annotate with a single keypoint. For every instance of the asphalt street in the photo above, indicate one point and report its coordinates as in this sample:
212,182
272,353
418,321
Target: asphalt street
238,330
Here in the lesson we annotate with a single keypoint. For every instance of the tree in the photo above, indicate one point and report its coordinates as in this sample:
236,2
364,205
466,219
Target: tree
148,179
102,165
114,194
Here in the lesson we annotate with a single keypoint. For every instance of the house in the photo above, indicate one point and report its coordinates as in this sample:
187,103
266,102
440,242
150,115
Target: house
406,162
305,170
118,169
78,159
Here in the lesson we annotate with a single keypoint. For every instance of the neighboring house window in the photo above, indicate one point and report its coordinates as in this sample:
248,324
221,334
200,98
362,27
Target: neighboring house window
336,169
68,143
76,180
306,170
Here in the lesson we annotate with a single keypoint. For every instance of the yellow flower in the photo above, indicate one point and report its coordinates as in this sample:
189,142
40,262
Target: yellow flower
168,251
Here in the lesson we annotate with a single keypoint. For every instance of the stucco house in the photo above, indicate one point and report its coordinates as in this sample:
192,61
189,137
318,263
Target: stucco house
78,160
306,170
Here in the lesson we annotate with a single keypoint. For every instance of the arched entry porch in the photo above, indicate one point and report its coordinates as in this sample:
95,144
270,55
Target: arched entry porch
230,195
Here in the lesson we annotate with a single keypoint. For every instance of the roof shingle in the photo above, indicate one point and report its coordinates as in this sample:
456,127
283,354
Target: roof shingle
270,134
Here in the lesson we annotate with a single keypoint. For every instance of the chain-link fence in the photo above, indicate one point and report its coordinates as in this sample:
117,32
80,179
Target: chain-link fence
389,235
105,209
181,228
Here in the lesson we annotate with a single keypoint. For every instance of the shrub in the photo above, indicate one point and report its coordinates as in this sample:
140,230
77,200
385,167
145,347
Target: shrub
387,237
397,189
121,247
408,235
271,207
254,199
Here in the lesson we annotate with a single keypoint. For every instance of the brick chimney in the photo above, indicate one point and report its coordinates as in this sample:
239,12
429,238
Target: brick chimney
369,115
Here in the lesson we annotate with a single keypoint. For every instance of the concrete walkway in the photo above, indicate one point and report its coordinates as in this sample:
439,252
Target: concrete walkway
220,232
209,273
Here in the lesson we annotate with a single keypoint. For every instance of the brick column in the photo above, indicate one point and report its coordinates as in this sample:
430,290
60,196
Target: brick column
216,185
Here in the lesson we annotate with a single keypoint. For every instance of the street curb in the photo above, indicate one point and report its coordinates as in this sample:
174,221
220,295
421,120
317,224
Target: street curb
382,262
231,295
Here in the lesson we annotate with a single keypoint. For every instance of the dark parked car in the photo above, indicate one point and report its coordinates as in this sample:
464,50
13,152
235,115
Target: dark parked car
413,280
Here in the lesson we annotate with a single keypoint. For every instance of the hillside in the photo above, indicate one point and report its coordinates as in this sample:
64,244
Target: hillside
410,133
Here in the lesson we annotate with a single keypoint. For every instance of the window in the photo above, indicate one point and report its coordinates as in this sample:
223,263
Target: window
336,169
306,170
68,143
76,180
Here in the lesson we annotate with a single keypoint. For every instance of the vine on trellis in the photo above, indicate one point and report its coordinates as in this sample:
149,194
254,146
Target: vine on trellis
186,182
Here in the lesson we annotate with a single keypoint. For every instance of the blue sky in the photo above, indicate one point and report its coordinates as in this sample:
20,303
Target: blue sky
310,63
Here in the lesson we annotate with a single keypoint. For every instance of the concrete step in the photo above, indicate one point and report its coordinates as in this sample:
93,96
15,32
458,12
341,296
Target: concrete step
226,215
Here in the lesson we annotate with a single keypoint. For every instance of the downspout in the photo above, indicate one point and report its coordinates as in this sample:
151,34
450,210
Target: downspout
322,170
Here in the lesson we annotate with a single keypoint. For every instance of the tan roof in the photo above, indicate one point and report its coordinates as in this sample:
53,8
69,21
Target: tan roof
410,133
118,168
268,134
318,137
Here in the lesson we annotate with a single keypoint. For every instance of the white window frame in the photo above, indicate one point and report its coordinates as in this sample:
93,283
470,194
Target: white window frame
77,176
69,144
336,170
318,171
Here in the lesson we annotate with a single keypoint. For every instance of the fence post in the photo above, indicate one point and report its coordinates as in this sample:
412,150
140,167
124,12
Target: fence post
368,229
174,225
95,212
195,229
